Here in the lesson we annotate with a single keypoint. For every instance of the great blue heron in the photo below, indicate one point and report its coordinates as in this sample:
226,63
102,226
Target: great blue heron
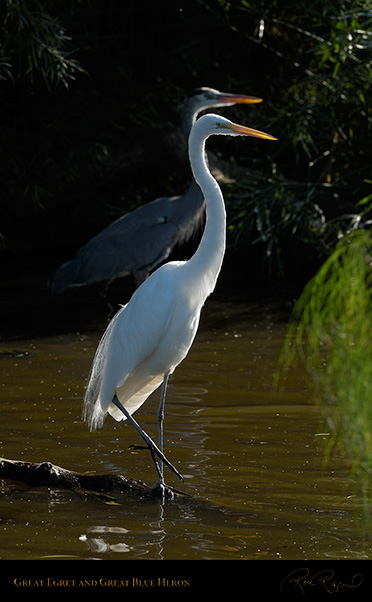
152,334
139,241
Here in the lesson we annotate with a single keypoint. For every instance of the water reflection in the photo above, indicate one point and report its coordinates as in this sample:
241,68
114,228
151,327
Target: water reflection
252,457
97,536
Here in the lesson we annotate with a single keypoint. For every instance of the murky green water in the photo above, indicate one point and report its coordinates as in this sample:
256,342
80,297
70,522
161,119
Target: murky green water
251,456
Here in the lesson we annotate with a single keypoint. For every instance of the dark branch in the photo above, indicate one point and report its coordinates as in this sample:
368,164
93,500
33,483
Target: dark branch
46,474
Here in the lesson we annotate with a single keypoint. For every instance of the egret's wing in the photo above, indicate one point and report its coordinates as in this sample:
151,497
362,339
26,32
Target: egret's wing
132,336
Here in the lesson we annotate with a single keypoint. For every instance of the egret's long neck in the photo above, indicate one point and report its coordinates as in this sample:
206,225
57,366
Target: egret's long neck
206,263
189,116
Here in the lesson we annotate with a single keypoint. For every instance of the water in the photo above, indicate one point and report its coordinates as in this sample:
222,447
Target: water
252,457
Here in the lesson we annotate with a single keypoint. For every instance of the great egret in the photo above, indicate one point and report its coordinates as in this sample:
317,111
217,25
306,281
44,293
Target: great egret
152,334
139,241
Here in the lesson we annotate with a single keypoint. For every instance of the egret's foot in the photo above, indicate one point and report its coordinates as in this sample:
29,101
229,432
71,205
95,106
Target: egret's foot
160,490
164,492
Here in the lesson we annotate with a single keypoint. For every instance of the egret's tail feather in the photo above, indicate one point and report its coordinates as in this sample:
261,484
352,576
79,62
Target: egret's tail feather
96,398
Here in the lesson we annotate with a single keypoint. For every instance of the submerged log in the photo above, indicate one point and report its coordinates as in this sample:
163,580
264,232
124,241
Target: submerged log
46,474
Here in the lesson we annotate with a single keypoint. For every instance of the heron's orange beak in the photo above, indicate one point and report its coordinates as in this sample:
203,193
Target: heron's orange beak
238,99
244,131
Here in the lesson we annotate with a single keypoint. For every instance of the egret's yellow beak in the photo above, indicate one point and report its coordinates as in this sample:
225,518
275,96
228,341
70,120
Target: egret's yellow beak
244,131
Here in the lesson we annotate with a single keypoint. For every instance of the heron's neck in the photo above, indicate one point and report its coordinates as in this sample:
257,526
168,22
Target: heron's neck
206,263
188,119
189,116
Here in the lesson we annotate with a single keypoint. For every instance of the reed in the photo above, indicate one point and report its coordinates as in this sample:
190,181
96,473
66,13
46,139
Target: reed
330,333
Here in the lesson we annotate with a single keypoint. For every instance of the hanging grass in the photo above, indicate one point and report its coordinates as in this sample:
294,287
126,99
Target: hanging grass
331,334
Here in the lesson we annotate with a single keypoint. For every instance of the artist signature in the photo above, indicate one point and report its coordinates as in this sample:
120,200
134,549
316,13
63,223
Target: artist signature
303,580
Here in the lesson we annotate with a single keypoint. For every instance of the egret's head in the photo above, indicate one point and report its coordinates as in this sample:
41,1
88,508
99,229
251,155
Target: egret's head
215,124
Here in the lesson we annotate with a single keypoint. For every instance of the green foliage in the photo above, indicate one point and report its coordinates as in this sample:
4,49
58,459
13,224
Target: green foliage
330,333
35,44
318,103
268,212
35,58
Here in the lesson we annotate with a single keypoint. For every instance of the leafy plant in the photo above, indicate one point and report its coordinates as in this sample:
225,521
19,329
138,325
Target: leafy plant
318,103
35,43
330,334
276,216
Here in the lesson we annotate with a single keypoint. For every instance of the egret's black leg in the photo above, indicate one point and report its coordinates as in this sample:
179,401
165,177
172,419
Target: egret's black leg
161,417
149,442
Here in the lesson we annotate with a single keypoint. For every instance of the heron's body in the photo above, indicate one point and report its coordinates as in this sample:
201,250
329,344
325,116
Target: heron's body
139,241
136,243
153,333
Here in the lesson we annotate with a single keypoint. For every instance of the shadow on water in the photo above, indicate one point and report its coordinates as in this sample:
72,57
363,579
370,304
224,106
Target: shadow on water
251,456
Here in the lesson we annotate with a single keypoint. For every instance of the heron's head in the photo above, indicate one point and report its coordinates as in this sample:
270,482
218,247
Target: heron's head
205,98
215,124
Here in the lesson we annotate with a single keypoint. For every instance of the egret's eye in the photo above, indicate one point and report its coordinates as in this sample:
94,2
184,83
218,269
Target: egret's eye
222,126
